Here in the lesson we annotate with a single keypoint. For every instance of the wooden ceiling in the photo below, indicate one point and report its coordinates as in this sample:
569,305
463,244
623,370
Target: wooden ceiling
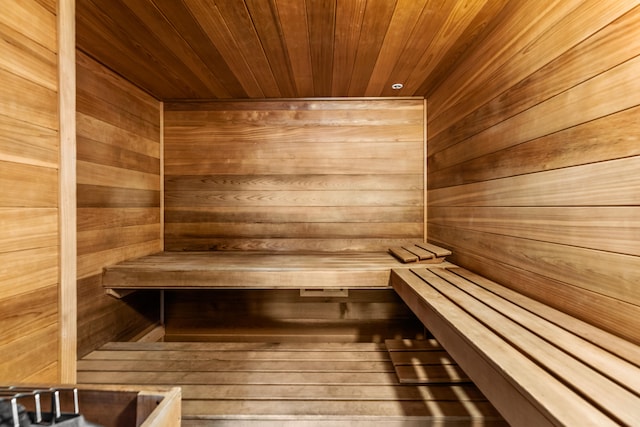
209,49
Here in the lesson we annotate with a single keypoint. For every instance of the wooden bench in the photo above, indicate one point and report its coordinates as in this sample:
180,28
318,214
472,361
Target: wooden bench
314,271
537,365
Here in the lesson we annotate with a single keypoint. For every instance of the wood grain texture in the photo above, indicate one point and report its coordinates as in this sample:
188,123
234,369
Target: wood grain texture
349,383
286,317
533,158
276,49
520,345
68,295
285,171
30,253
118,198
254,270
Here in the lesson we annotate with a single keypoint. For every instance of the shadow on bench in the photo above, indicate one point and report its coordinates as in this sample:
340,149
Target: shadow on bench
537,365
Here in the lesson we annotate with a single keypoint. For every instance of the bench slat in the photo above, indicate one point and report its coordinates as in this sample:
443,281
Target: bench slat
607,364
437,250
525,393
567,368
403,255
597,336
421,253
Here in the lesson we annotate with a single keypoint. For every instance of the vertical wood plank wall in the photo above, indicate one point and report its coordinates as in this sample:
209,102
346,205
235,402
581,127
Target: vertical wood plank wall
118,162
29,246
314,175
534,158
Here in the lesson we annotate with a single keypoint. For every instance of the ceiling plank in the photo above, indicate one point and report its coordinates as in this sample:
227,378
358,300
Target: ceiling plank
483,22
248,49
266,22
401,27
295,31
377,17
240,24
349,21
180,17
433,16
208,16
321,16
101,36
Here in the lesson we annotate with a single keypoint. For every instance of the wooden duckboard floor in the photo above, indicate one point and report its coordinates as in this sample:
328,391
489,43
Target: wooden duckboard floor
337,384
255,270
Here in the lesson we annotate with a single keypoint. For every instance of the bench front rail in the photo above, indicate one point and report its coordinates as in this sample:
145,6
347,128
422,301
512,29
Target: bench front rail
537,365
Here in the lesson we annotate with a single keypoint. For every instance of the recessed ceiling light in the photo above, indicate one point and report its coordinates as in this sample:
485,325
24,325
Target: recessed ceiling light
397,86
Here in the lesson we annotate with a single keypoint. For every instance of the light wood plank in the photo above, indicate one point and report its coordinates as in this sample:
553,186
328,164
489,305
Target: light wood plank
613,45
36,103
22,142
28,229
435,412
34,21
512,324
585,30
608,273
612,315
293,182
612,229
28,186
606,364
293,214
295,198
68,295
326,230
338,392
284,245
105,218
612,89
95,129
236,365
603,339
294,26
115,237
93,263
489,361
28,270
26,58
611,183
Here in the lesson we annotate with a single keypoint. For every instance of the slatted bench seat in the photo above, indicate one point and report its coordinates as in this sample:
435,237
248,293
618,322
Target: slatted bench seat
253,270
537,366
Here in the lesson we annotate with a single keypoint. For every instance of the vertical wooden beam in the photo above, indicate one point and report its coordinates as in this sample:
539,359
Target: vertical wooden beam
162,175
162,201
67,295
424,184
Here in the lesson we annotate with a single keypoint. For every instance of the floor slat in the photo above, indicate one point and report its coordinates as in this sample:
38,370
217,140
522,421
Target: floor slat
294,383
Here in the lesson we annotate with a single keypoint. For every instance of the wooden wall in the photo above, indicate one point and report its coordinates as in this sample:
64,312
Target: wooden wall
118,197
29,244
293,175
534,158
282,315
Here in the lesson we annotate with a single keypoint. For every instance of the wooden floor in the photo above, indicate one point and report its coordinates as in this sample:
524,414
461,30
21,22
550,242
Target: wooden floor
255,270
296,383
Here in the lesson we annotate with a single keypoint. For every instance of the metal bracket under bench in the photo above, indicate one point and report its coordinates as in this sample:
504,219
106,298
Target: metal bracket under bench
538,366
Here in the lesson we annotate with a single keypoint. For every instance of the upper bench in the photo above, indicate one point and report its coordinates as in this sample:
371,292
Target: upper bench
254,270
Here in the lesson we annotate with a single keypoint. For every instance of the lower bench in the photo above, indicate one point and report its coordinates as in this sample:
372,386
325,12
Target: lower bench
537,365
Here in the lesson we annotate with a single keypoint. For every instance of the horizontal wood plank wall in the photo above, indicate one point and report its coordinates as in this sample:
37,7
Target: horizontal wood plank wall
321,175
534,158
284,315
118,199
29,247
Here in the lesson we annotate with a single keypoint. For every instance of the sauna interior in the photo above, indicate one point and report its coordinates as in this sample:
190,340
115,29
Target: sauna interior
256,133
